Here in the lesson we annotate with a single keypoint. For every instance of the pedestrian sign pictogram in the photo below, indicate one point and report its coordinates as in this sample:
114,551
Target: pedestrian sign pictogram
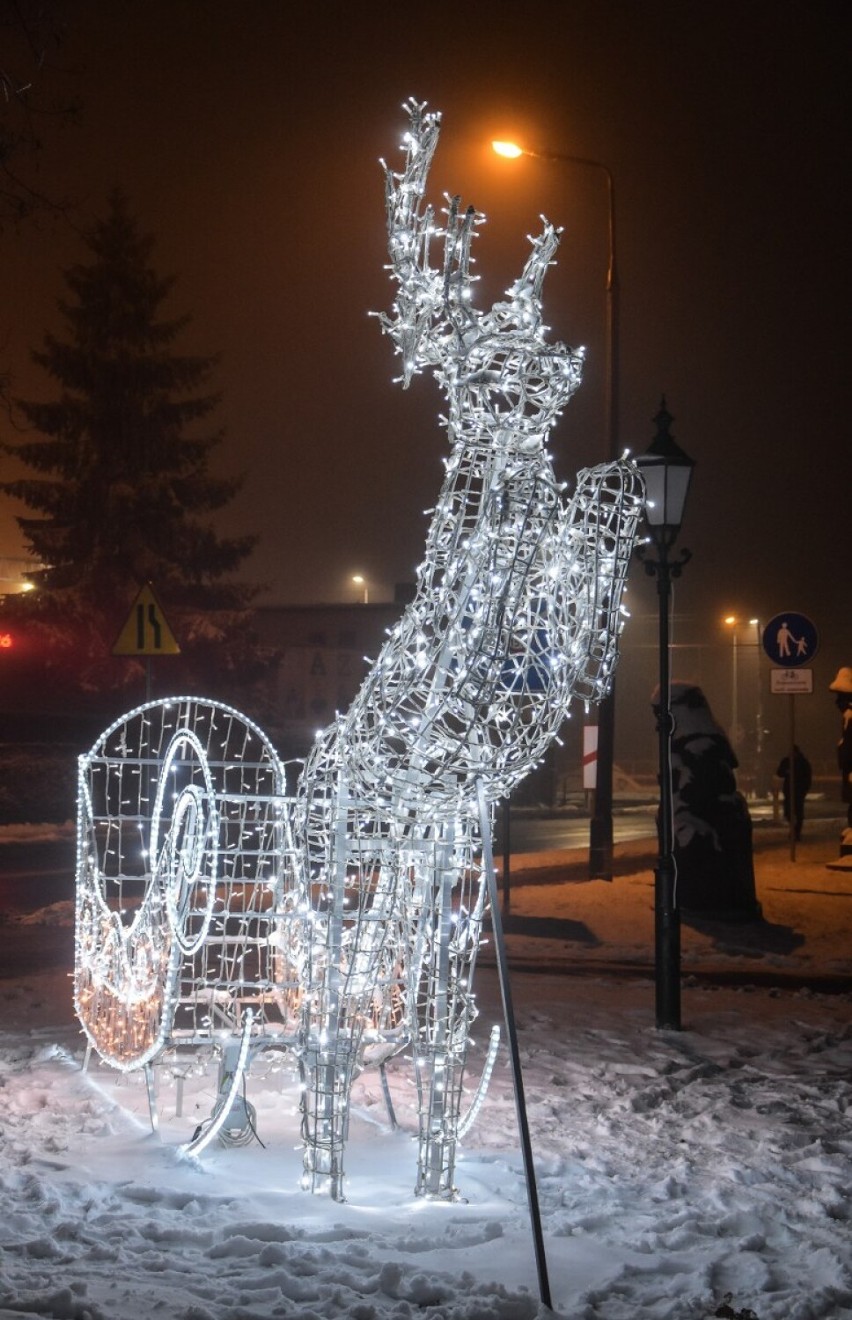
790,640
146,631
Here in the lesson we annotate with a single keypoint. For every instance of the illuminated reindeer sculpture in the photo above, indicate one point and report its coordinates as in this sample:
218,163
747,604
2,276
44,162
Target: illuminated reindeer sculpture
343,924
516,611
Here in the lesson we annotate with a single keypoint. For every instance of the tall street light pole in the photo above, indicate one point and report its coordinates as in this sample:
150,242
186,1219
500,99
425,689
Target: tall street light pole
731,621
760,787
667,471
600,826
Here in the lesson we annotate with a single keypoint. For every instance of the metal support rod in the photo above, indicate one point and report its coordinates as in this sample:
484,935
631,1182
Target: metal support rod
392,1118
760,773
152,1098
791,785
600,825
512,1036
735,705
666,910
507,855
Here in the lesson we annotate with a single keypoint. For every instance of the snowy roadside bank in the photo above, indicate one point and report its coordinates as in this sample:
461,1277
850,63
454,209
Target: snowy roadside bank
675,1169
26,833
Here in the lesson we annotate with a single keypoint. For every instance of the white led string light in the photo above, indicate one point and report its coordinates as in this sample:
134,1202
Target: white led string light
189,854
376,895
184,878
222,1109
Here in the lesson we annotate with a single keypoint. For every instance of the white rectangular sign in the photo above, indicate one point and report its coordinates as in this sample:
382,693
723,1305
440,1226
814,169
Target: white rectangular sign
590,756
791,681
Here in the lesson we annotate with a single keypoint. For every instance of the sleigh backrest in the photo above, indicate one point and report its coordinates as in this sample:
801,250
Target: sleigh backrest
185,880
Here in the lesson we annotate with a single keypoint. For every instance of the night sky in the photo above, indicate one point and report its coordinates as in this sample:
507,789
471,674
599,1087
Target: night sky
247,137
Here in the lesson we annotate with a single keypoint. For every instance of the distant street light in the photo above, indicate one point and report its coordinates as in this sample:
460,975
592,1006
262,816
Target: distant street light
600,826
361,583
667,471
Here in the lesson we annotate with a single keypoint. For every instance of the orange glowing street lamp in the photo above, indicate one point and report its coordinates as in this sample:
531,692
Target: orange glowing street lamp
600,828
732,621
510,150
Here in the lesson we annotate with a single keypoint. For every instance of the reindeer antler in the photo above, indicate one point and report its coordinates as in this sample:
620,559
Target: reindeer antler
526,290
433,310
430,305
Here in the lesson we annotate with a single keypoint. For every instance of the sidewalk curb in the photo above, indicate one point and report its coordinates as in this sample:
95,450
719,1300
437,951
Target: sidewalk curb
745,978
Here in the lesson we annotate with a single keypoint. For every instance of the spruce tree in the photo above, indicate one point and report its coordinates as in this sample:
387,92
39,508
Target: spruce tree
123,489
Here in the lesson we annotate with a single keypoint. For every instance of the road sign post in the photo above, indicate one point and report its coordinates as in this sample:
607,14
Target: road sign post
146,633
791,641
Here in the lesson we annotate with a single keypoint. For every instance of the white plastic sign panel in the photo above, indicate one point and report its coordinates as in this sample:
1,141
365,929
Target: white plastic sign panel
791,681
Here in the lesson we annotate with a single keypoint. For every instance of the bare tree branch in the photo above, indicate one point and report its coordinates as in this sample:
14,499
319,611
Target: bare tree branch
31,34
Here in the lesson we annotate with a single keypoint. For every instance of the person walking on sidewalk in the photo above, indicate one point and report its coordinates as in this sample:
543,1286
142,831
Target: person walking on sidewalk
795,787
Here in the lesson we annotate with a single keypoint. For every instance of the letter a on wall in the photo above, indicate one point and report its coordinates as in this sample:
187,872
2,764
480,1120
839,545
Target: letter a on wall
146,631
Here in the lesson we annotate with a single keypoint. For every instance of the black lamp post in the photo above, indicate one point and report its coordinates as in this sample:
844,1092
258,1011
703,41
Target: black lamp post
667,471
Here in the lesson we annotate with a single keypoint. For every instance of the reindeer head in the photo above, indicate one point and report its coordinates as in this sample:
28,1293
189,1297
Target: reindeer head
502,380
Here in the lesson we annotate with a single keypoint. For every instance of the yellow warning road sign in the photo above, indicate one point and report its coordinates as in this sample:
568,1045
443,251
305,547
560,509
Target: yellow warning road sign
146,631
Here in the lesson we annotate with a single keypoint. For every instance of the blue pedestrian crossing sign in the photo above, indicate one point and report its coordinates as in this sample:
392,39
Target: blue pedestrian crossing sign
790,640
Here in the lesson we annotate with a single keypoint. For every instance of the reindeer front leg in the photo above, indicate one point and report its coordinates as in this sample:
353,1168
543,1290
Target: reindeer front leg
327,1069
330,1039
348,969
355,1000
445,922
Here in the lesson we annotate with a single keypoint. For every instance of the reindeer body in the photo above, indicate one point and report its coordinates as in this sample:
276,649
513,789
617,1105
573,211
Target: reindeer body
515,613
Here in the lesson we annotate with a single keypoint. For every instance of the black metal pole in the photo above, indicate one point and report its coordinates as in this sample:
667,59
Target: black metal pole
666,910
791,779
514,1051
601,826
507,854
667,471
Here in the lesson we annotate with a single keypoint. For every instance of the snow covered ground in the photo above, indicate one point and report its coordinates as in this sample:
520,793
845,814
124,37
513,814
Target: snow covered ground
681,1174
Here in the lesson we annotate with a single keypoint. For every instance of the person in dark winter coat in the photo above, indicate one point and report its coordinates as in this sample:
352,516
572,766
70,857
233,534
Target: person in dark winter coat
800,786
712,826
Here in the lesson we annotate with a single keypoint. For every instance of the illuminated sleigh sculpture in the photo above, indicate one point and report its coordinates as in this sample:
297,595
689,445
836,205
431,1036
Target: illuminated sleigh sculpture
379,890
185,884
